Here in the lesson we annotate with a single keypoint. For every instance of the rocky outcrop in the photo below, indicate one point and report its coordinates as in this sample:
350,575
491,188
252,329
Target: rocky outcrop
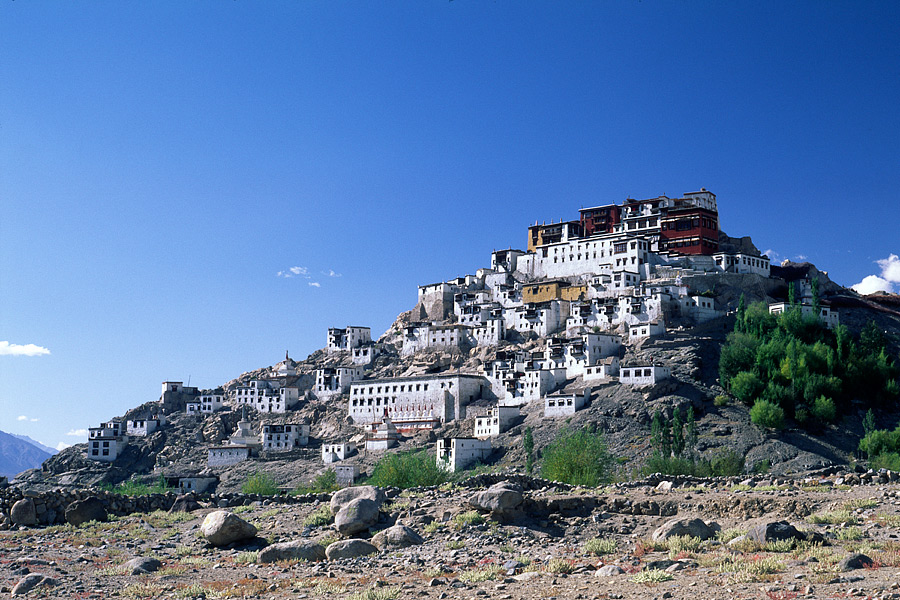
295,550
352,548
221,528
397,537
83,511
356,516
690,527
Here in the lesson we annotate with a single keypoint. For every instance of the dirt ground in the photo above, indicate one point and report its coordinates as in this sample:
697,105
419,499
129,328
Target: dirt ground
553,557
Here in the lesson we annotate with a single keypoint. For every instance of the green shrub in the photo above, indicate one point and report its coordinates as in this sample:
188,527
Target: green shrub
578,458
407,469
721,400
886,460
260,483
824,409
747,387
767,415
320,516
321,484
132,487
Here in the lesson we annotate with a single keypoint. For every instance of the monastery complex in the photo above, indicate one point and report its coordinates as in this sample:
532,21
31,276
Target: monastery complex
586,288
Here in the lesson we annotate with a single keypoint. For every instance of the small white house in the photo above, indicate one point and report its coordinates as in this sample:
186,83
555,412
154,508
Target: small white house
830,318
210,403
282,438
104,449
608,367
222,456
192,408
195,483
455,454
563,405
347,338
346,474
142,427
643,375
495,422
332,453
639,331
332,381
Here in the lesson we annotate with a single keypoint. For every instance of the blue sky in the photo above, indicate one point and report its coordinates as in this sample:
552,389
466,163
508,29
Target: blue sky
161,163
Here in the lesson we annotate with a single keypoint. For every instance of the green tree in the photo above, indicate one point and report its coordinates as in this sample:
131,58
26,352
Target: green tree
824,410
816,297
406,470
792,294
747,387
872,339
677,434
528,445
739,324
578,457
690,432
868,422
767,415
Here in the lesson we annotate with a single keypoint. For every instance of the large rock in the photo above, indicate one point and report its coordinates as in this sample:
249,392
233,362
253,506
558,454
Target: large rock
142,565
82,511
855,561
296,550
356,516
343,497
692,527
185,503
774,531
398,536
221,528
349,549
23,512
32,581
501,500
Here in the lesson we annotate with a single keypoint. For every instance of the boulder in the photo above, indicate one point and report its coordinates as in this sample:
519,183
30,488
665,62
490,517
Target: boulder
692,527
349,549
356,516
296,550
142,565
221,528
82,511
32,581
398,536
501,500
855,561
185,503
343,497
608,571
23,512
774,531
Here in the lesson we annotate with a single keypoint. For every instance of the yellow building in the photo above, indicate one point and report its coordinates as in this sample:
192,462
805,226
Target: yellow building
553,290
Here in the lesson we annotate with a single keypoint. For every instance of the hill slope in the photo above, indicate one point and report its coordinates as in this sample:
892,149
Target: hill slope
17,455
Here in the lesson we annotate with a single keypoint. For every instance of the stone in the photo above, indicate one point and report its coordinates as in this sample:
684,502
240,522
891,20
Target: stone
398,536
343,497
349,549
82,511
356,516
221,528
664,486
295,550
23,513
32,581
501,500
608,571
854,561
692,527
142,565
774,531
185,503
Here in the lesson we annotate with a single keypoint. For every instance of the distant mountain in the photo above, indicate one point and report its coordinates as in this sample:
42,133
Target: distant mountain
17,455
25,438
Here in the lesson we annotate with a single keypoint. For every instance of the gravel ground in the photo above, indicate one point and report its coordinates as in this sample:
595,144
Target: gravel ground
530,558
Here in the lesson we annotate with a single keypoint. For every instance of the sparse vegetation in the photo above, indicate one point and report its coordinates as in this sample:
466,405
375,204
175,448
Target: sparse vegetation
487,573
578,457
600,546
321,484
133,487
319,517
260,483
407,469
467,519
652,576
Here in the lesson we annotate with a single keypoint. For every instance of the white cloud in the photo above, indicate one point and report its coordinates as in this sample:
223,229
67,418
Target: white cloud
315,284
890,275
871,284
78,432
24,418
331,273
62,446
801,257
890,268
7,349
294,271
